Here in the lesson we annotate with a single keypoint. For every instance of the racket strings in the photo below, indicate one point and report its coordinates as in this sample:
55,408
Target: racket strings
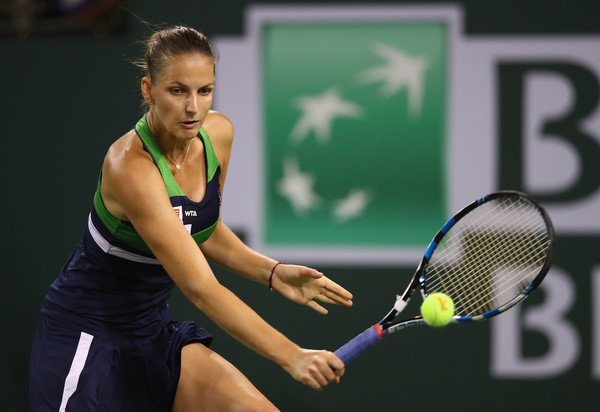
479,292
490,256
475,296
486,258
483,290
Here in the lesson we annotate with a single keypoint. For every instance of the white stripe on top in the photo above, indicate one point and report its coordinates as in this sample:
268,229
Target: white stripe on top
72,379
107,247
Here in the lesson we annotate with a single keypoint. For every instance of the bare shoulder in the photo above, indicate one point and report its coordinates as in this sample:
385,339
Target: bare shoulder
125,154
128,173
220,130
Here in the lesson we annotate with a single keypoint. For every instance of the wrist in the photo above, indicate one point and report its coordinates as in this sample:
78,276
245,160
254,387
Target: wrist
286,355
272,275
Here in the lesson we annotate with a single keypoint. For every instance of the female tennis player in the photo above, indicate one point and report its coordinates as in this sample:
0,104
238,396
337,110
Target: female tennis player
105,339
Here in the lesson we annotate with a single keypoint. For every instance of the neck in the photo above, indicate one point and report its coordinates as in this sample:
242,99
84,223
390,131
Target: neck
177,164
172,147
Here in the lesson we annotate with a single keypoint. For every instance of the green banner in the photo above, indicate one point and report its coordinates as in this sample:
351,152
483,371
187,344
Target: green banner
354,132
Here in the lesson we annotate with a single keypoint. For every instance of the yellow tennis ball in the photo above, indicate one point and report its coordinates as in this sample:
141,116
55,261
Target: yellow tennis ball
437,309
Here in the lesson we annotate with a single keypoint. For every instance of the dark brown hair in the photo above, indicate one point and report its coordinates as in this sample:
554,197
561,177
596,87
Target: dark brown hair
170,43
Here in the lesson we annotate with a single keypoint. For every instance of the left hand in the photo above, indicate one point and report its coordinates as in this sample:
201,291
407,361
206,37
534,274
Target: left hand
304,285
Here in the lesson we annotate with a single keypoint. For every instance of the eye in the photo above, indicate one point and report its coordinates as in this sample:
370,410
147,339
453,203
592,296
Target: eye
205,91
176,90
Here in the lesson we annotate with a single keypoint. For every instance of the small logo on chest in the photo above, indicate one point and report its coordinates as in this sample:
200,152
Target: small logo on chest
190,214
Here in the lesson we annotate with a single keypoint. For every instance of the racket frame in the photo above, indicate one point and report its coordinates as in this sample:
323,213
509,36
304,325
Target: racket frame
389,325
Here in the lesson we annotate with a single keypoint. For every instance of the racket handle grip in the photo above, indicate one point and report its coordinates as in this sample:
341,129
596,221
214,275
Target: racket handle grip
360,343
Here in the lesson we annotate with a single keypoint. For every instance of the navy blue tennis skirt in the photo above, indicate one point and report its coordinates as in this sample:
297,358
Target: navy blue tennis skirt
73,370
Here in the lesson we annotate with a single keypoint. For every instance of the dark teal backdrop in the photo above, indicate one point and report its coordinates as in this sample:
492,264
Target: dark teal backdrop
65,98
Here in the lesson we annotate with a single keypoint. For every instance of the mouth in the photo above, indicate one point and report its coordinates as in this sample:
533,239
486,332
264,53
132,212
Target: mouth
190,124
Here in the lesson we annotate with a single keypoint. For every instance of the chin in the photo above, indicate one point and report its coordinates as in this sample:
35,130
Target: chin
189,133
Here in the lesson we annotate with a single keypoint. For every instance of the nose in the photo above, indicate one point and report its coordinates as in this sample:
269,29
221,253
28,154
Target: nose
192,104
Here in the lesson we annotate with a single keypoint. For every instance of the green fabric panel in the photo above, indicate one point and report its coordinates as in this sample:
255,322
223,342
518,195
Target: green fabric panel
145,134
115,225
211,158
109,220
201,237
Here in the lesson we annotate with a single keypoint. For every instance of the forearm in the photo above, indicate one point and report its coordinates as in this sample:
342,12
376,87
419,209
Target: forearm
241,322
315,368
227,250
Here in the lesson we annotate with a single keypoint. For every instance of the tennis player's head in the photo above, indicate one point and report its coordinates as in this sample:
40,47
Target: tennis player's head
179,77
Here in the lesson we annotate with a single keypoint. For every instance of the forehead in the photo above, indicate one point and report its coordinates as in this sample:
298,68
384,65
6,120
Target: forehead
188,68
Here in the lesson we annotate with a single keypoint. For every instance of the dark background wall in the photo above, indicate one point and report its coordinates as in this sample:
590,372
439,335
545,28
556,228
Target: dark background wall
66,97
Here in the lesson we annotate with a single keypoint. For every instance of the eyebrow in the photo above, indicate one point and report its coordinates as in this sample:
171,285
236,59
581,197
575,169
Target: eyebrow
183,85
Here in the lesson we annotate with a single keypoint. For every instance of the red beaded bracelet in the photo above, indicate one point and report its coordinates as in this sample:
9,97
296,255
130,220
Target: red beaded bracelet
271,276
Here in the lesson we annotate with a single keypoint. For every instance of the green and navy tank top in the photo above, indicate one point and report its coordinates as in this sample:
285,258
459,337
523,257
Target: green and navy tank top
112,283
119,237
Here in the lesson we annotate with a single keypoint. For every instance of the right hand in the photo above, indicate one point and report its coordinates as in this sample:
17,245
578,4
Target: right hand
316,368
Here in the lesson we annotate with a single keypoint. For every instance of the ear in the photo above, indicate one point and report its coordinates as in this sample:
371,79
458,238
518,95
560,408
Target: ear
146,86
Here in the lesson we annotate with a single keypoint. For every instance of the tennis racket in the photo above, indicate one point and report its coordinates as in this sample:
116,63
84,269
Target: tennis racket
488,257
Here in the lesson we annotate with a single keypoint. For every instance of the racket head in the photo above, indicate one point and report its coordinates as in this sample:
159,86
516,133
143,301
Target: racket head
489,256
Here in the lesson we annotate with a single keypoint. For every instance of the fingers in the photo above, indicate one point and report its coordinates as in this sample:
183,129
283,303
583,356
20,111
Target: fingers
326,297
334,298
317,380
337,290
306,286
329,292
337,364
325,368
335,294
315,306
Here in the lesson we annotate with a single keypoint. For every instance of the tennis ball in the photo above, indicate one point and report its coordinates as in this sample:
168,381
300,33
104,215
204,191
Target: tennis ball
437,309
